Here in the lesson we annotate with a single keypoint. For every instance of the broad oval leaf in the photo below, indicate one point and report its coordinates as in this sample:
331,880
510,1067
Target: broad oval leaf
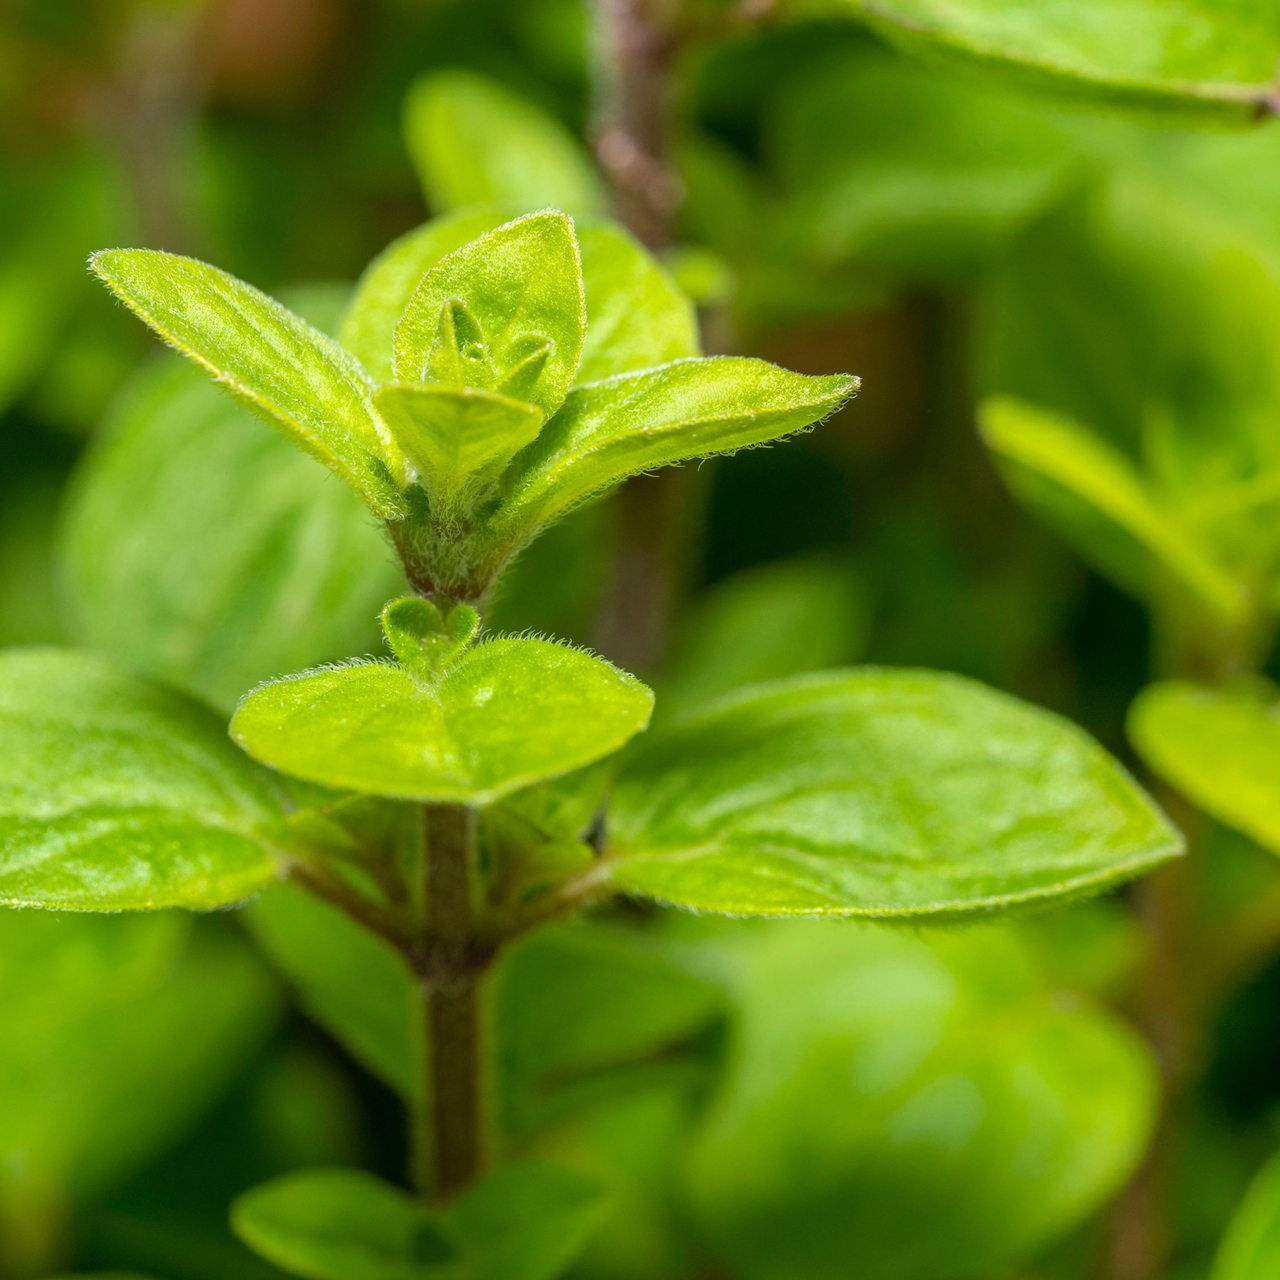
910,1107
635,422
296,377
119,795
474,142
509,713
1219,747
521,282
1187,56
891,794
523,1222
1096,496
294,573
1250,1249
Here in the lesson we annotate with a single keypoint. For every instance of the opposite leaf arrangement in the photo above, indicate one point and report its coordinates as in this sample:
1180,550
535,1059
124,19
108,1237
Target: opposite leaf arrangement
492,376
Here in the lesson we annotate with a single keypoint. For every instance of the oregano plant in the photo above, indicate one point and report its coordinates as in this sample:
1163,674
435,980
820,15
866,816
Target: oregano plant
437,802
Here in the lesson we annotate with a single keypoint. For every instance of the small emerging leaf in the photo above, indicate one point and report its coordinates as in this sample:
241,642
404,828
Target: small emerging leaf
508,713
1219,747
456,437
635,422
293,375
880,793
523,284
118,795
422,639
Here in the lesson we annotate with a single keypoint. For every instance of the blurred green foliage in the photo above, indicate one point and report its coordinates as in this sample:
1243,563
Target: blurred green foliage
1058,222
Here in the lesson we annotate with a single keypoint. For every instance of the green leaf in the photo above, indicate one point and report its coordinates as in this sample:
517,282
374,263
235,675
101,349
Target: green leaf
508,713
1187,56
1250,1250
390,279
892,794
635,422
291,374
118,795
457,438
524,1222
474,142
637,317
1091,490
351,982
201,547
1219,747
522,285
780,619
901,1107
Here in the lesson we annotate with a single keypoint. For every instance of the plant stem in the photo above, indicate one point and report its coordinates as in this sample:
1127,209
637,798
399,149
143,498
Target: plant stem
451,1129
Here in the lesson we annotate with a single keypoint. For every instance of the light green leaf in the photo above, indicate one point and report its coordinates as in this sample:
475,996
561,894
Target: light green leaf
637,316
522,285
635,422
1194,56
892,794
900,1107
508,713
390,279
1219,747
203,548
291,374
1089,489
1250,1250
118,795
524,1222
458,438
340,1224
474,142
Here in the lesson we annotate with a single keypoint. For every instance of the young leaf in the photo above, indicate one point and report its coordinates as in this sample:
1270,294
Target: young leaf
1089,489
636,422
508,713
878,1081
390,279
425,641
524,1222
1219,747
636,315
118,795
474,142
892,794
523,284
201,547
456,437
1186,56
1250,1249
291,374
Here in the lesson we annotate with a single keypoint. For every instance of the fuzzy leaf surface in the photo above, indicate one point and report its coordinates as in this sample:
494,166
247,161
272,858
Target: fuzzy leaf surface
509,713
293,375
474,142
523,1222
880,793
520,282
1190,56
119,795
635,422
1219,747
